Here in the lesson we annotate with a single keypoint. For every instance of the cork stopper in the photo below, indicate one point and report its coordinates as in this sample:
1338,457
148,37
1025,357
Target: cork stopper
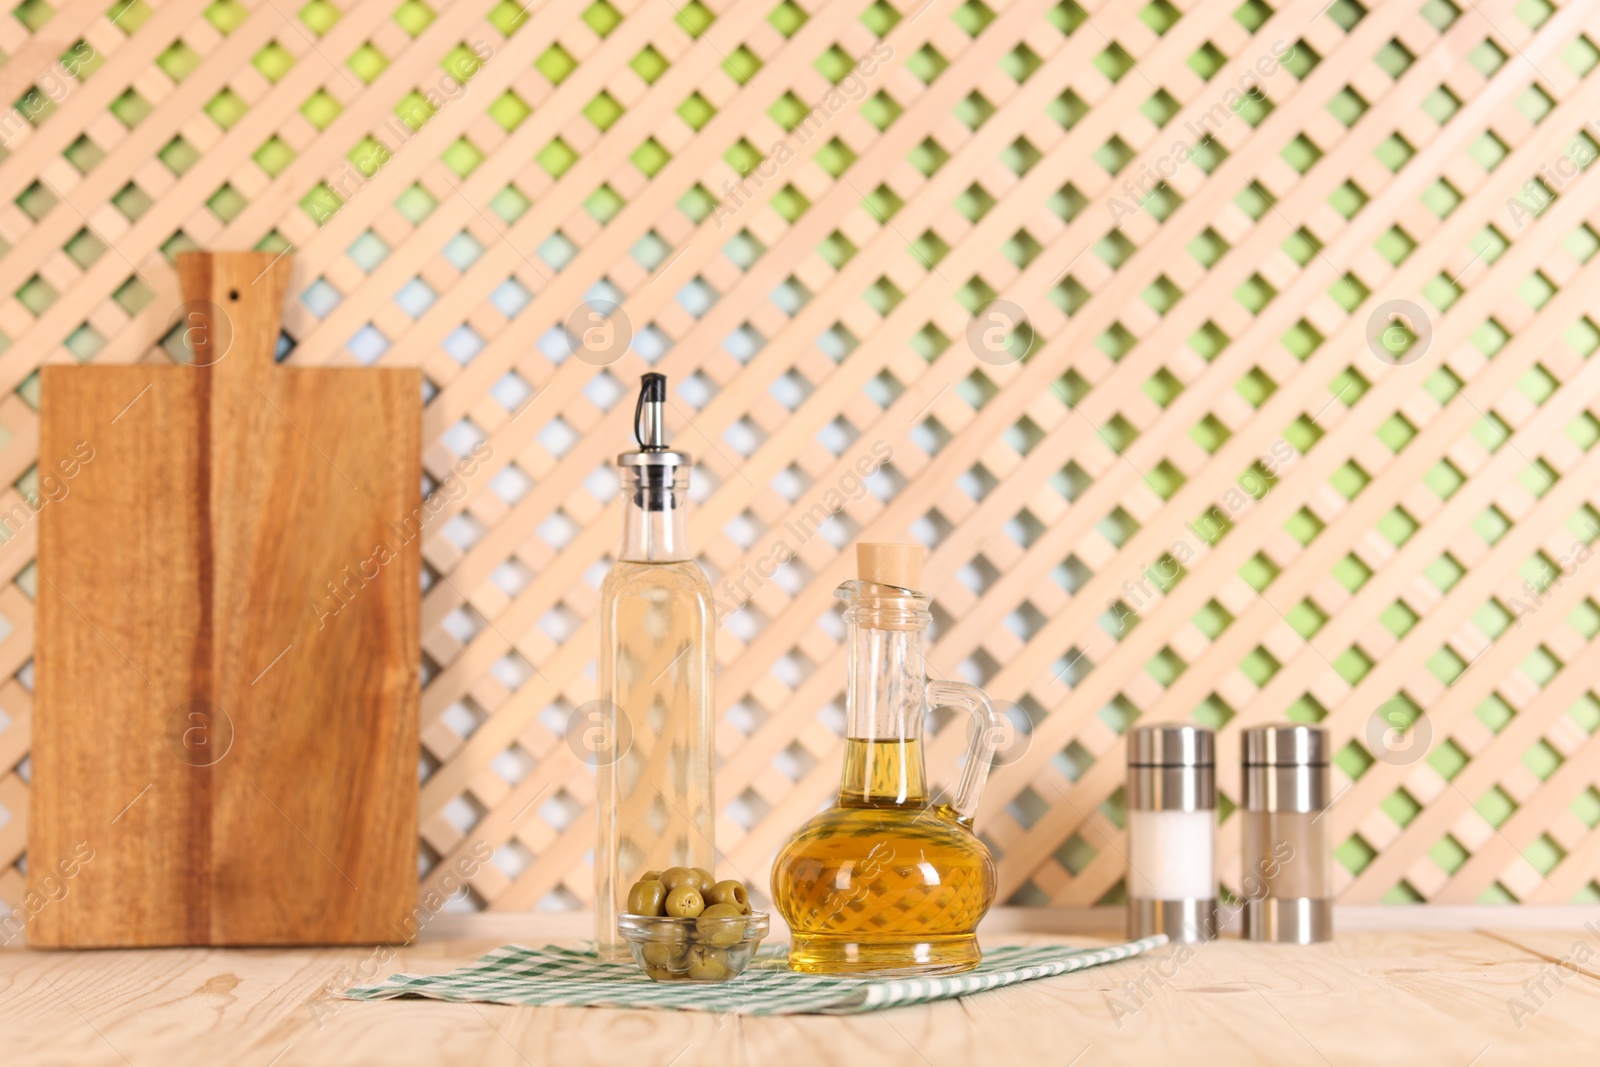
899,565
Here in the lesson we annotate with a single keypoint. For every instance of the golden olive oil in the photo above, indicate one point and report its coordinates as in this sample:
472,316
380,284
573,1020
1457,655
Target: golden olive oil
884,881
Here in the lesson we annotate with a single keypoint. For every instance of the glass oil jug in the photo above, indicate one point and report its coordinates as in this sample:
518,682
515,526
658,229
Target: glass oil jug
888,881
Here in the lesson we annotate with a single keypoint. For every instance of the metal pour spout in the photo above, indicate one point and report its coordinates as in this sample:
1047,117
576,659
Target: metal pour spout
657,472
649,422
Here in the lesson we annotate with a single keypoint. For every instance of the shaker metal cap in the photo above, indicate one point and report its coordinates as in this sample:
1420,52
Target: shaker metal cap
1171,745
1286,746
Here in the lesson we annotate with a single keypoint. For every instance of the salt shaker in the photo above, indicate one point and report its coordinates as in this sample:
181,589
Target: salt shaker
1172,832
1287,852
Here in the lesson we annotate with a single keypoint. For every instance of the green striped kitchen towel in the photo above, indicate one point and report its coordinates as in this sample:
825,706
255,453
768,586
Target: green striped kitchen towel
573,977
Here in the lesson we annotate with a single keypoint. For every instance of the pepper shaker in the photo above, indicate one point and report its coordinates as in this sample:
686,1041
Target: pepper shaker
1287,852
1172,832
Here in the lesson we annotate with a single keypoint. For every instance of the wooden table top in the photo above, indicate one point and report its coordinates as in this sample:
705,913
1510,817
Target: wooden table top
1491,991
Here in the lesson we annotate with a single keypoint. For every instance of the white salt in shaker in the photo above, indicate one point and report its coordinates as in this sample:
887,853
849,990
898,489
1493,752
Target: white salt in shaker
1172,832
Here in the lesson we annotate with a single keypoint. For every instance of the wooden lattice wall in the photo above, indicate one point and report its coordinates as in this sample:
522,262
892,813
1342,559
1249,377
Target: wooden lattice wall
1301,421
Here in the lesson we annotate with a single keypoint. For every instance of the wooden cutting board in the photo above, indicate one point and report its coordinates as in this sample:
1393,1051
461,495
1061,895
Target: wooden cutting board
225,729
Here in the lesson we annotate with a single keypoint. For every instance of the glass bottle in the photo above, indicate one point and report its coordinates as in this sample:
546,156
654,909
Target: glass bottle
887,880
654,717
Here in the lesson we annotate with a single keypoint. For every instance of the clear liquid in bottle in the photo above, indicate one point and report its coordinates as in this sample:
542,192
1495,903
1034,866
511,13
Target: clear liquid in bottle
654,790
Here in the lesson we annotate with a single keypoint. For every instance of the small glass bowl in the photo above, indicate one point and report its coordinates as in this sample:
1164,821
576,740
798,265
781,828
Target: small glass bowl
693,950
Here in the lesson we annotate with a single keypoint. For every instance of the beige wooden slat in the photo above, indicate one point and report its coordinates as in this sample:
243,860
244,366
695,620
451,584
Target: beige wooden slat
1111,771
1530,820
279,104
726,315
122,70
1095,603
572,469
1037,115
131,58
42,50
504,721
698,419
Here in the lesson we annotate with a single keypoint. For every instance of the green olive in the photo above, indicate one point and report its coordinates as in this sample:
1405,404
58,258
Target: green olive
674,877
650,876
706,877
685,902
661,974
672,933
709,969
662,954
732,892
646,898
720,924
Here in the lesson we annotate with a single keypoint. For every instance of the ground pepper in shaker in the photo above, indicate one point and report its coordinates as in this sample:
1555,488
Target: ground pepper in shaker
1287,853
1172,832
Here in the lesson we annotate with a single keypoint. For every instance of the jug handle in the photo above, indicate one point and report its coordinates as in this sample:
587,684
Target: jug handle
986,737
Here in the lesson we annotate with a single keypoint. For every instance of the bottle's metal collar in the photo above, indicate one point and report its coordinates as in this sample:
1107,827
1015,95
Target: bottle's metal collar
664,458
